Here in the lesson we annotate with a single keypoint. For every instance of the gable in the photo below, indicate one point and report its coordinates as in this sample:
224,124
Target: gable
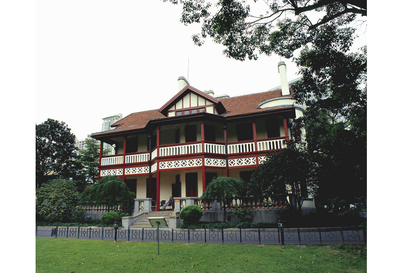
191,101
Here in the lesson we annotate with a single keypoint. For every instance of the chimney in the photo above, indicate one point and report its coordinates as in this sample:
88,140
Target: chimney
209,92
284,82
182,82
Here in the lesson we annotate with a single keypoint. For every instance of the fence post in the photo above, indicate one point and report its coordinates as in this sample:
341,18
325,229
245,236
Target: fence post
142,234
172,235
56,231
102,233
90,232
341,236
259,236
320,237
128,233
222,230
205,235
189,235
298,232
240,234
67,231
78,232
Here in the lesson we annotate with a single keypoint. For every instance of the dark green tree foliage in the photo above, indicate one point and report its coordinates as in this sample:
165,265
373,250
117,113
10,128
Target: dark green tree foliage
109,191
57,200
90,159
223,189
56,154
279,26
287,173
333,88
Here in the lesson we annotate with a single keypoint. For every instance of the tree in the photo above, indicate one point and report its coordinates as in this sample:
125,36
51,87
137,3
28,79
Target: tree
56,154
57,200
333,88
109,191
283,174
279,26
90,159
223,189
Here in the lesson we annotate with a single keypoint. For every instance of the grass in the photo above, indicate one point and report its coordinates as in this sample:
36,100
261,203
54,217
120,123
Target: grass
77,255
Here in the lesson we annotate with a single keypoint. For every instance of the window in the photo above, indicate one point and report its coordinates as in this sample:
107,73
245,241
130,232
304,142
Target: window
190,133
209,132
244,131
132,145
273,127
187,112
178,136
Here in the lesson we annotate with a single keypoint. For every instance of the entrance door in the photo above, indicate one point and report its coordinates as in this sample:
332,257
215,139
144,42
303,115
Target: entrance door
176,188
151,190
209,177
191,185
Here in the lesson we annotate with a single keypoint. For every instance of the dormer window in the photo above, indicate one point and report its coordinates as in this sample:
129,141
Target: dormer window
187,112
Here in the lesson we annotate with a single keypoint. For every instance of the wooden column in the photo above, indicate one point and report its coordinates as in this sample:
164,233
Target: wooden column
285,125
203,160
158,173
255,140
226,149
100,156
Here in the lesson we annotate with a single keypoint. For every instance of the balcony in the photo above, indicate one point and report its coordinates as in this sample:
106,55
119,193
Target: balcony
177,150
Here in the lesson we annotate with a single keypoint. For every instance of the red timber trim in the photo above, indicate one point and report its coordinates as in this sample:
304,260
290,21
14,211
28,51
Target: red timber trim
100,156
203,169
158,192
124,148
285,125
255,140
225,127
158,171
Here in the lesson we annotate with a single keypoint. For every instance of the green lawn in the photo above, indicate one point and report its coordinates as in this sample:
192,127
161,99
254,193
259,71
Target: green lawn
76,255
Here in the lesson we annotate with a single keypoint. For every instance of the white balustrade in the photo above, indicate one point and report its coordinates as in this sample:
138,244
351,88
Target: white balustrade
214,148
137,158
181,150
238,148
154,154
112,160
210,148
269,145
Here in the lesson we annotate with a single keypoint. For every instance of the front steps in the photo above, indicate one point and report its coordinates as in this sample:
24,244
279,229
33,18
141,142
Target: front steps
143,222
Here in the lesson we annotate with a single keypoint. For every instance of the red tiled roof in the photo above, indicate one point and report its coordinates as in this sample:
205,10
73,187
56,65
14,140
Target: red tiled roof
248,103
234,106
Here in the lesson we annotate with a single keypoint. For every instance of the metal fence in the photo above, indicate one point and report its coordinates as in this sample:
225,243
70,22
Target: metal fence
260,236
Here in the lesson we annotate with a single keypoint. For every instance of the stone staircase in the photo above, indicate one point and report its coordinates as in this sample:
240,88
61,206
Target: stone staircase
144,221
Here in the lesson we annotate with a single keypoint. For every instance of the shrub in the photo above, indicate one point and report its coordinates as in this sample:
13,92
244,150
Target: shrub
244,215
110,217
191,214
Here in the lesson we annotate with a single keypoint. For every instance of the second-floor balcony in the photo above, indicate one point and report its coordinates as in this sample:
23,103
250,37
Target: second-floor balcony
195,148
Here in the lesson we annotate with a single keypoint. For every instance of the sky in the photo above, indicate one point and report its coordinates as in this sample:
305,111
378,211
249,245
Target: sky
98,58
